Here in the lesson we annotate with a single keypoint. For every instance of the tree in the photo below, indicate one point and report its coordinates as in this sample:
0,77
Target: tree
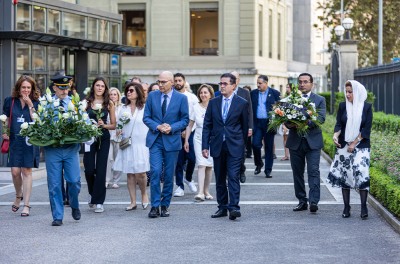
365,14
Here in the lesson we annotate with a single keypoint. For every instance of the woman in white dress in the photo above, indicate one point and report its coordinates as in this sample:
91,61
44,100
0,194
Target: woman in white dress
113,177
135,159
205,166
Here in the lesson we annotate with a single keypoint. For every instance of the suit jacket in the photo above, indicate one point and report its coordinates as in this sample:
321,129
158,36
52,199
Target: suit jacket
365,127
235,127
272,98
314,134
177,116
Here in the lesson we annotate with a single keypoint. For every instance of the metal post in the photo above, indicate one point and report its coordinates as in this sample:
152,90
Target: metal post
380,34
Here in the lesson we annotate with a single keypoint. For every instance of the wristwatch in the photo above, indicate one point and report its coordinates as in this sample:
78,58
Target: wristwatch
359,139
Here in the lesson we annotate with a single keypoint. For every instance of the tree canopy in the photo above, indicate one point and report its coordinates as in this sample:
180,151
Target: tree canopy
365,14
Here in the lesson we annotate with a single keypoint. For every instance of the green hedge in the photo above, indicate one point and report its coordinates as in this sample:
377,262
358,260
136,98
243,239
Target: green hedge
386,190
386,122
339,97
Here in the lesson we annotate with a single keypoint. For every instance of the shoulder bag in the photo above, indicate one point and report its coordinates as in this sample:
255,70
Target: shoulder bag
5,144
126,142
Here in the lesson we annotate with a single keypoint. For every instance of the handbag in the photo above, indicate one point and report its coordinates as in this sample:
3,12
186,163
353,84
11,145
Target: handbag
126,142
5,144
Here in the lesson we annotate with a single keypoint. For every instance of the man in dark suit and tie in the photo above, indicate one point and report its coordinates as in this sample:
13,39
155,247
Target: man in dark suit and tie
224,134
307,148
166,114
262,99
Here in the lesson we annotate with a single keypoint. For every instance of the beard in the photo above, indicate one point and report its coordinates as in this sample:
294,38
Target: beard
179,87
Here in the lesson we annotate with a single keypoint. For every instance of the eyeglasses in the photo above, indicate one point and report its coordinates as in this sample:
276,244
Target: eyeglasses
223,84
161,83
304,82
130,91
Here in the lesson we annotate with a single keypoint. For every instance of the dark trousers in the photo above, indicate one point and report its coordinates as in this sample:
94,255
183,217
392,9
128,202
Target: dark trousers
259,133
298,159
182,158
248,147
95,163
227,166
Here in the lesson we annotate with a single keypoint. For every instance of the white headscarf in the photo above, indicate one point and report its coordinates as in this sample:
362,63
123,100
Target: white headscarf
354,110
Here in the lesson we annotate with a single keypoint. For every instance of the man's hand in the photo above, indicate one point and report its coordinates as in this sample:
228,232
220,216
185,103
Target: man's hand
250,133
290,125
205,153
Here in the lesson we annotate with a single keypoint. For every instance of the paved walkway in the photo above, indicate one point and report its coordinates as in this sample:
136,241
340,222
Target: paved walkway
268,231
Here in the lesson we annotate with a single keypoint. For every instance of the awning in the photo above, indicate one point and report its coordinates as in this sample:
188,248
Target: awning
45,38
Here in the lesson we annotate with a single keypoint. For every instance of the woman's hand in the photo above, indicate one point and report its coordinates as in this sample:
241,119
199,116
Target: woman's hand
118,132
5,136
100,123
351,147
28,101
336,141
186,146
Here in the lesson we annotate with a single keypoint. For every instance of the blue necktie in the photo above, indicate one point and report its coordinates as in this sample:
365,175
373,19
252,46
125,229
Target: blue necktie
164,105
225,111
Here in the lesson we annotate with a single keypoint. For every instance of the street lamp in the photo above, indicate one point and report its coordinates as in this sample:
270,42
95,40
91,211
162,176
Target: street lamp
348,24
339,30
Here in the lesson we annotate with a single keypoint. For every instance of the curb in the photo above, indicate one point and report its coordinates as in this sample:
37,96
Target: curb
388,216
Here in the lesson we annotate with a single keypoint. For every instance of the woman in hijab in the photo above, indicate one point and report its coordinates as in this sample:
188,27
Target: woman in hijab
350,168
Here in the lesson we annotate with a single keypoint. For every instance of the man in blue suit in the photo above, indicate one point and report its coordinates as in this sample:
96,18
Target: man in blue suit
262,99
166,114
225,133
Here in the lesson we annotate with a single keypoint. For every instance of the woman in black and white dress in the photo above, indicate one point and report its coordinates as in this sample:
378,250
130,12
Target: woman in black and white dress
350,168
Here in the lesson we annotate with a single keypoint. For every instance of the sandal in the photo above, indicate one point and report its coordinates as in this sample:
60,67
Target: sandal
26,214
15,208
285,158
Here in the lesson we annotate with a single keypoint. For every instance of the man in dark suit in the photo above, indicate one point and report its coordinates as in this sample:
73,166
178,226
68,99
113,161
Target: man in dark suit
262,100
307,148
224,133
166,114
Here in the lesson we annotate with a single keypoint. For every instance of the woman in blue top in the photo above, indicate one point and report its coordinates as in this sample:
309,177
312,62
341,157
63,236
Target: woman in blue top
22,158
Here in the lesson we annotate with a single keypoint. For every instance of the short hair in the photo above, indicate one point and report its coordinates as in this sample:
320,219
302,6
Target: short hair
137,78
248,87
306,74
151,87
209,88
263,77
229,75
178,74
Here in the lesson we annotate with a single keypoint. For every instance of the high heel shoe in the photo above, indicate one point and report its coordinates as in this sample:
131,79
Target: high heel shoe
145,205
364,212
15,208
346,212
26,214
200,197
129,208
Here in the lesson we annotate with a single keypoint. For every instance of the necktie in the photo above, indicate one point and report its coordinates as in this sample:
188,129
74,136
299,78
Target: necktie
225,111
164,105
64,105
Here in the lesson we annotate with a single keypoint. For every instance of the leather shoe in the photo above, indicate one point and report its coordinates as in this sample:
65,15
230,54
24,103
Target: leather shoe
234,214
301,207
268,175
76,213
242,177
257,170
313,207
220,213
57,223
164,211
154,212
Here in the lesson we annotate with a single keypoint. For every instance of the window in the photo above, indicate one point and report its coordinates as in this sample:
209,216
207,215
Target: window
39,58
260,30
203,29
279,36
74,25
114,64
114,28
39,19
23,57
134,31
53,22
93,63
92,28
104,63
103,31
270,34
23,17
54,58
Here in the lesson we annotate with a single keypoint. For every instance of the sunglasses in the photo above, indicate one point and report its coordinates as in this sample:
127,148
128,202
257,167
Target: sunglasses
130,90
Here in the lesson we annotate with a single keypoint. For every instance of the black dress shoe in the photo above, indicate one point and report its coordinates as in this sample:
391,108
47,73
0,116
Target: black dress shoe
268,175
346,211
257,170
76,213
234,214
154,212
57,223
242,177
164,211
301,207
313,207
66,203
220,213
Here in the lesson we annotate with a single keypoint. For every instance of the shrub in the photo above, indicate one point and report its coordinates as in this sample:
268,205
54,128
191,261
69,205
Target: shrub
386,122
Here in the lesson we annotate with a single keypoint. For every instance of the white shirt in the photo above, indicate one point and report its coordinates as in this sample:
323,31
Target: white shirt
192,101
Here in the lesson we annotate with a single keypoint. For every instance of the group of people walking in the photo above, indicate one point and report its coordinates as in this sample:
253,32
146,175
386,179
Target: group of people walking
170,130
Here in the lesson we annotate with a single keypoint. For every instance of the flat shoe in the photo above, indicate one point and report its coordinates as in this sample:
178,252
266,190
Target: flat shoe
209,197
131,208
199,197
284,158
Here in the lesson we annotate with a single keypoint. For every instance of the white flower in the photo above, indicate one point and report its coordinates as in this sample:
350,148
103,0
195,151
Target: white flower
43,102
56,103
35,116
49,98
314,118
86,91
294,115
65,115
285,99
71,106
97,106
3,118
83,105
125,115
303,118
289,116
24,125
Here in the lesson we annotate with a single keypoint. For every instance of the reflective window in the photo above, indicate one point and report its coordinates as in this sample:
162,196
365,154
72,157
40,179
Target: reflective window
54,57
23,57
39,58
114,64
92,28
104,63
53,22
23,17
134,31
203,31
114,82
93,62
40,80
71,64
103,30
39,19
270,38
114,32
74,25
